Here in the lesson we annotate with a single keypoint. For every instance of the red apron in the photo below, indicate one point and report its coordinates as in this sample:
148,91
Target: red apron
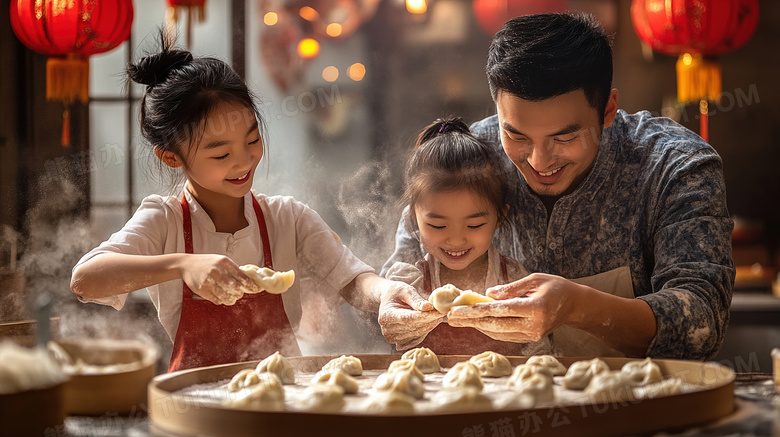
252,329
448,340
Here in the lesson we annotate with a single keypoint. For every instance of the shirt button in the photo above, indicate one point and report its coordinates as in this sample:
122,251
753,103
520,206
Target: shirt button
553,246
540,249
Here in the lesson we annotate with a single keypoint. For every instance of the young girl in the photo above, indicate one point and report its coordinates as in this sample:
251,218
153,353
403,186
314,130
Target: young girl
199,116
456,195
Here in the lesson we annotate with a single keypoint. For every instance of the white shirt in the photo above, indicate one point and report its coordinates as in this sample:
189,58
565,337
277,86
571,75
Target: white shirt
300,241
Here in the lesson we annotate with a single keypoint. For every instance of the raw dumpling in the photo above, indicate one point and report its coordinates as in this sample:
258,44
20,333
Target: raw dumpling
349,364
399,365
336,377
403,381
549,361
643,372
580,373
524,371
267,395
532,389
448,296
492,364
463,375
666,387
389,402
461,400
246,378
610,386
279,365
322,398
269,280
423,358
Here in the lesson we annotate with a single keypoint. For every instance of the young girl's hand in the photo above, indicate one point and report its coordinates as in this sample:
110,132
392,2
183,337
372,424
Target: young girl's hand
405,317
216,278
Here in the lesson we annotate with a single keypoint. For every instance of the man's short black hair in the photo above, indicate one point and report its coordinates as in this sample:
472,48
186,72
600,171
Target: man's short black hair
538,57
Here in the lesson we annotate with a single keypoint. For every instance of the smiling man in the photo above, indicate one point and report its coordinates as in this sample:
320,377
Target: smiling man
622,217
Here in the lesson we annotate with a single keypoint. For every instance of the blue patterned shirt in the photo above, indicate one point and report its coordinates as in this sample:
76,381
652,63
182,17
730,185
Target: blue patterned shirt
655,201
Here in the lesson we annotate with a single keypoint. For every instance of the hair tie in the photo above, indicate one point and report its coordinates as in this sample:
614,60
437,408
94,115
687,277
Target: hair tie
443,127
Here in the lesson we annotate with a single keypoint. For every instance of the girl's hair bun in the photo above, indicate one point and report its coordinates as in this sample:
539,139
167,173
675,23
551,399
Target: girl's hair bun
442,126
153,69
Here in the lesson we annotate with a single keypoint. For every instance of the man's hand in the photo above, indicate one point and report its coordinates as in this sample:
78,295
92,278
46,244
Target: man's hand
524,311
405,317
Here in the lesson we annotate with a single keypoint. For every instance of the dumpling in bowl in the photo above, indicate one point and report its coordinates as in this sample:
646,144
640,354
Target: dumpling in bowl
268,395
423,358
389,402
337,377
642,372
463,375
401,381
491,364
549,361
350,365
581,372
401,365
322,398
279,365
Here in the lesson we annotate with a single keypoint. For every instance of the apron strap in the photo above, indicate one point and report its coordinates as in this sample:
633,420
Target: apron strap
187,224
268,261
422,265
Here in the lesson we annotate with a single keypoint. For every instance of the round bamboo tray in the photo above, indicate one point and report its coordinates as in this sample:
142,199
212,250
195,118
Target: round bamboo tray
180,415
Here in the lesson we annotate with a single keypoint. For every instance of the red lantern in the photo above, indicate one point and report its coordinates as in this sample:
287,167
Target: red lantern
696,31
195,10
492,14
69,32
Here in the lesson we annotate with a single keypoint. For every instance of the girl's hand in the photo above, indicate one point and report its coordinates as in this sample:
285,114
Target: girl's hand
216,278
524,311
405,317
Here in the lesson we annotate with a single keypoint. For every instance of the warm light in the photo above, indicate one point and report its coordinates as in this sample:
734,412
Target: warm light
330,73
333,29
687,59
356,71
416,6
270,18
308,13
308,48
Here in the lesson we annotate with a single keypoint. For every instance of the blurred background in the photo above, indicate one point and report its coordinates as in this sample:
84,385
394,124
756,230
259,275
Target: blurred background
345,86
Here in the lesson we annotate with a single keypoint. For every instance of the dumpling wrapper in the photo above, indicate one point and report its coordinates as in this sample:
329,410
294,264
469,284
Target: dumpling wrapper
424,359
462,375
643,372
448,296
402,381
492,364
336,377
278,364
347,363
548,361
269,280
581,372
268,395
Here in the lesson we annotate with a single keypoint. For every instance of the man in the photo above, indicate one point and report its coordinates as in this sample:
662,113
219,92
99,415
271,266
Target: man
631,208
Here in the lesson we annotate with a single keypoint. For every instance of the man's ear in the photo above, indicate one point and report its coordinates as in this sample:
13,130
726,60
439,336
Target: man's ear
611,109
167,157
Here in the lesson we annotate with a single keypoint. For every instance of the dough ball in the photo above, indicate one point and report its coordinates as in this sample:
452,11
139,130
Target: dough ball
401,381
423,358
612,386
322,398
268,395
271,281
463,375
349,364
491,364
549,361
337,377
581,372
399,365
279,365
643,372
466,399
389,402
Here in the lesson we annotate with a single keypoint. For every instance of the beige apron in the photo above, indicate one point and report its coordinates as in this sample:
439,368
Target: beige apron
573,342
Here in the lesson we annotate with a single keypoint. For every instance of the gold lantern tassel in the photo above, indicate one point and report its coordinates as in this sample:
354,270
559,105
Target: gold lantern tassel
67,80
697,78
